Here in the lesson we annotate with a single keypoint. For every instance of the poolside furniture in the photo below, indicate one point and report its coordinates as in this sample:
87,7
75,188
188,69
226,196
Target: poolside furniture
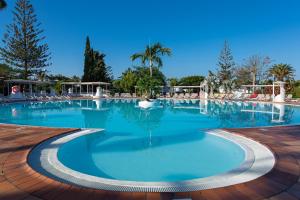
221,96
260,97
289,97
187,96
268,97
181,96
125,95
211,96
245,96
168,95
194,95
253,96
229,96
175,96
134,95
216,96
117,95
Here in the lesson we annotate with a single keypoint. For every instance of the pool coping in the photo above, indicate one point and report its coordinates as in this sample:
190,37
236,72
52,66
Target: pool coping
259,161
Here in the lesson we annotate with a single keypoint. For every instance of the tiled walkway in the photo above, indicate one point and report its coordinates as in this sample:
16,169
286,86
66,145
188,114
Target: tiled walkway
18,181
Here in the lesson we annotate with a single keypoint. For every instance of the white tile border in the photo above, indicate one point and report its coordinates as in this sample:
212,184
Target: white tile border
259,161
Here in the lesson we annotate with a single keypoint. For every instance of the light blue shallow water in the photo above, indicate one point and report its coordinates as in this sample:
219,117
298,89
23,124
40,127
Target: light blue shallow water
166,143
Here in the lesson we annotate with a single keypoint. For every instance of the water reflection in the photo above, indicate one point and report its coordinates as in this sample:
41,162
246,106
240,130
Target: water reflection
123,115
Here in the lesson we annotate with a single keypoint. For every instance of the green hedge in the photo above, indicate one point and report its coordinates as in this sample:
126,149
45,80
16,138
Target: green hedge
296,93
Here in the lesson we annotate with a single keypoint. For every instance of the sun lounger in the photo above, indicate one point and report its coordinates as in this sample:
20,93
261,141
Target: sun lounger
228,96
216,96
289,97
268,97
181,96
221,96
187,96
194,96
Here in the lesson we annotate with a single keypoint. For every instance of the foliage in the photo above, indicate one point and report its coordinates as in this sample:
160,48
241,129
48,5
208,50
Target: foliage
95,68
296,92
173,81
23,45
156,74
117,86
8,72
243,76
140,77
282,72
152,55
226,65
212,81
100,71
88,60
2,4
191,80
59,77
254,66
147,85
128,81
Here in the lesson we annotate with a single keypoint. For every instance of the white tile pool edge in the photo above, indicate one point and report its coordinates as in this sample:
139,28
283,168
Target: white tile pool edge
259,161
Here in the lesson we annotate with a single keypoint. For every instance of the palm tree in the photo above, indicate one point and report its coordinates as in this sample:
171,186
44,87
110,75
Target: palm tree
2,4
152,55
282,71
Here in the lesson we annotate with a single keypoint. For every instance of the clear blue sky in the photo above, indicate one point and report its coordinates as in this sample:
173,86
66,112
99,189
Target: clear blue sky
194,29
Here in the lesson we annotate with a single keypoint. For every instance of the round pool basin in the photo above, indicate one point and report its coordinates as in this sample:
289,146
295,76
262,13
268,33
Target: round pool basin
210,160
151,159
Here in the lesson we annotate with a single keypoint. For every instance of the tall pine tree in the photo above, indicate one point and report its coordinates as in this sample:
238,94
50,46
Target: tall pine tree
95,68
226,67
88,61
23,44
100,71
226,63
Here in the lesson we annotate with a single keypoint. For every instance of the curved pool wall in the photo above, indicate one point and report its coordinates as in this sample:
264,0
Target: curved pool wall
259,160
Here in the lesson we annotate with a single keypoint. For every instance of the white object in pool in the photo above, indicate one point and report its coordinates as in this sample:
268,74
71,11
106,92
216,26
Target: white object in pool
146,104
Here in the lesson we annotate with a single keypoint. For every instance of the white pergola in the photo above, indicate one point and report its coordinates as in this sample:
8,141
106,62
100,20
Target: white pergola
186,87
21,82
280,84
83,88
275,84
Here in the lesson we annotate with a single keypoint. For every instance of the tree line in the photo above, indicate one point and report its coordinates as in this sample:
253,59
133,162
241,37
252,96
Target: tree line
254,70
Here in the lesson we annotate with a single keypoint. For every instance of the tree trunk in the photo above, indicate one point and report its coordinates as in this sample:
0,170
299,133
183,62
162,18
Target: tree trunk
254,79
25,70
150,68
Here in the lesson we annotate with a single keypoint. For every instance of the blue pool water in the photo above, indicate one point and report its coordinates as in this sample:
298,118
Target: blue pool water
166,143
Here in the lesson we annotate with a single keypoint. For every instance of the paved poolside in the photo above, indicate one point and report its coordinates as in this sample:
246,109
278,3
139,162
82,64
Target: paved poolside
19,182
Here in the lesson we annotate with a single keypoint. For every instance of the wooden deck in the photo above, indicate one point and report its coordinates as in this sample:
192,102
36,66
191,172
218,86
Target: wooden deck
19,182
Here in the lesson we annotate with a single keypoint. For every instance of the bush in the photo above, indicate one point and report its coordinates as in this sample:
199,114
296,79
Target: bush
296,93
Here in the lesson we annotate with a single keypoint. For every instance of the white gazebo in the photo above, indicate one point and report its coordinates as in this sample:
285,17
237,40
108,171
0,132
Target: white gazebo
280,98
28,87
85,88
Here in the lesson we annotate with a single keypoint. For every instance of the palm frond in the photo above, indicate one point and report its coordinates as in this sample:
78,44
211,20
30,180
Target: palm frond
136,56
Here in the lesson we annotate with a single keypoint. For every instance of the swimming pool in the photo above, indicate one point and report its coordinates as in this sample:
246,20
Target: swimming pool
170,117
165,144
